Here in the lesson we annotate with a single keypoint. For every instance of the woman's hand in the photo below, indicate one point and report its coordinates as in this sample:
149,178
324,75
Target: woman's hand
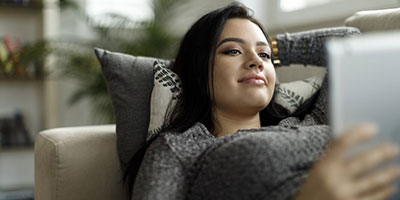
338,177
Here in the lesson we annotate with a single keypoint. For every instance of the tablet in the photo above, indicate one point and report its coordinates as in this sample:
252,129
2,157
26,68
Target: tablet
364,85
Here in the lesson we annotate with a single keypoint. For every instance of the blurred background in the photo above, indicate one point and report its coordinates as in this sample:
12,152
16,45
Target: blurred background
49,76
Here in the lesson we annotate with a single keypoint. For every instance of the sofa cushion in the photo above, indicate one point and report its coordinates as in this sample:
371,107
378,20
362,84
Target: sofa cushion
375,20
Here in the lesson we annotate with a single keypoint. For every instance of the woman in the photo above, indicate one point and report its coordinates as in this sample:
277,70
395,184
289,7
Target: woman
214,146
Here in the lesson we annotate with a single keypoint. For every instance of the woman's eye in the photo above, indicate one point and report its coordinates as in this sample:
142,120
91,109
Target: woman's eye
264,55
232,52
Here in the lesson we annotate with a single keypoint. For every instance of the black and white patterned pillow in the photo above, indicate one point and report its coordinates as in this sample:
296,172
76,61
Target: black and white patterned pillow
167,90
293,94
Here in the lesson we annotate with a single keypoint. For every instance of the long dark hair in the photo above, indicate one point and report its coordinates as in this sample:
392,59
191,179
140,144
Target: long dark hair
195,55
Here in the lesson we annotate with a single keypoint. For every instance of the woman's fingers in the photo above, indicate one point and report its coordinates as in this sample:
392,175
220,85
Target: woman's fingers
371,159
382,194
376,180
351,138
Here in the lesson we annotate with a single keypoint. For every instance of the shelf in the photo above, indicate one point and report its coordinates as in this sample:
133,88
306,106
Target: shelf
17,194
23,79
30,5
16,149
35,4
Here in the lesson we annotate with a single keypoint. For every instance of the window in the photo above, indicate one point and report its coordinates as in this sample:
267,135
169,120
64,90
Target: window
291,5
283,14
101,12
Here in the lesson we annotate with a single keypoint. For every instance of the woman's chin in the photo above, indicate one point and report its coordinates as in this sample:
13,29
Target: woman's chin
258,104
259,99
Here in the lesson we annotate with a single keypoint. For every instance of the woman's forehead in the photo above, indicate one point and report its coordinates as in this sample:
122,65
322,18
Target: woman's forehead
242,28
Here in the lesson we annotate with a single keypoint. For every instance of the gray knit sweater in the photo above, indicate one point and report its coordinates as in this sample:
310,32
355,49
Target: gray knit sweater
266,163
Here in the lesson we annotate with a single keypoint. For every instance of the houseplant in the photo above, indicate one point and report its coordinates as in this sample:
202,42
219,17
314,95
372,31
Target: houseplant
146,38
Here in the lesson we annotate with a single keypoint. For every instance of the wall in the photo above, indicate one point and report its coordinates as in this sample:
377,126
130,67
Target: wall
192,11
73,28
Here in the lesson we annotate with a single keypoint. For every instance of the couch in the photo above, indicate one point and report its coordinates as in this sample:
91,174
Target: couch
82,162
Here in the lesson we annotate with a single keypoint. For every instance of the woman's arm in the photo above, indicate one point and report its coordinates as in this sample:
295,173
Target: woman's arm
319,113
366,175
161,175
308,47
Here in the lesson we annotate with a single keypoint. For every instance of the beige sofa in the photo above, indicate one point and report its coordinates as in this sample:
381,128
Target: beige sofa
82,162
78,163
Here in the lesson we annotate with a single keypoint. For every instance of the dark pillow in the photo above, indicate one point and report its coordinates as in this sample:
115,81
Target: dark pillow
130,82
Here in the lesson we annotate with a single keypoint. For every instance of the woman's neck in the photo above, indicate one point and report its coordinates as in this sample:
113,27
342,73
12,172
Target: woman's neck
228,123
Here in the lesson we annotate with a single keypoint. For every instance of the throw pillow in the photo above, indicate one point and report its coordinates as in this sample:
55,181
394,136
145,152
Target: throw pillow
166,91
293,94
130,81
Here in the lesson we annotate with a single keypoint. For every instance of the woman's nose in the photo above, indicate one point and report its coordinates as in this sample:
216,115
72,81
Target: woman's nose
256,62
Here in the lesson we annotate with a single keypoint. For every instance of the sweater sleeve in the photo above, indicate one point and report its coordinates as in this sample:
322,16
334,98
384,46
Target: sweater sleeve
308,47
319,113
161,175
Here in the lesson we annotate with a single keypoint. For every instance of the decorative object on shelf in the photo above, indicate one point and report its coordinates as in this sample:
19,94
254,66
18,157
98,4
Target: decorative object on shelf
13,132
22,61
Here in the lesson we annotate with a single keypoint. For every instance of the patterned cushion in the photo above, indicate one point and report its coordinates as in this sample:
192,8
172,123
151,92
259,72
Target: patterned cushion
167,89
291,95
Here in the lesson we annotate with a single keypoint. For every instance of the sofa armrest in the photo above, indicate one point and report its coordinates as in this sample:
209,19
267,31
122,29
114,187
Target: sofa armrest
78,163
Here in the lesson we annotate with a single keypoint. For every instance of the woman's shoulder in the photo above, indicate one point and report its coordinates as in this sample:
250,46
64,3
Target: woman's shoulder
196,132
186,145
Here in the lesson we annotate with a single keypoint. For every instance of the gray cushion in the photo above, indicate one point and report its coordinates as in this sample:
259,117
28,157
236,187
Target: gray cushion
130,82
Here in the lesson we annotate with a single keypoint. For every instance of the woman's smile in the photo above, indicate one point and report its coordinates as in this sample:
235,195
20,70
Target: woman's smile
256,79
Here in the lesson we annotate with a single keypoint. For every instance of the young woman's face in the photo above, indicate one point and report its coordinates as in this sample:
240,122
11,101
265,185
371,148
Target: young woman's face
244,76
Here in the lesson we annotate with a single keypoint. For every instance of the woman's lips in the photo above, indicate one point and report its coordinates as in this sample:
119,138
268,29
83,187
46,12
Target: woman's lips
256,79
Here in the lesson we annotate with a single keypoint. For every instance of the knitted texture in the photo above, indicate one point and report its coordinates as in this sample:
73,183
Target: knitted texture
266,163
307,47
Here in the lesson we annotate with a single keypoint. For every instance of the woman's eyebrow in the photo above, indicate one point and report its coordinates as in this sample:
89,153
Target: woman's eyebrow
231,40
259,43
